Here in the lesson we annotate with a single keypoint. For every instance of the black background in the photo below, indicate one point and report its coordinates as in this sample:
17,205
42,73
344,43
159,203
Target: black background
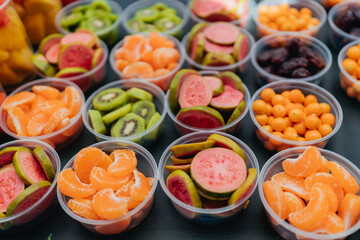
163,222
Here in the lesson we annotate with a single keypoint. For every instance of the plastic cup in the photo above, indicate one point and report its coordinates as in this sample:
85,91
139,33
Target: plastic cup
279,40
201,215
272,142
145,164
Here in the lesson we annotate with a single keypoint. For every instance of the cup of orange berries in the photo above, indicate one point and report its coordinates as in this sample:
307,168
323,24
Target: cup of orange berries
349,64
292,113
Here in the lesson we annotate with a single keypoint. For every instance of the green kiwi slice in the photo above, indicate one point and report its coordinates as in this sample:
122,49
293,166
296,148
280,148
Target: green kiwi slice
116,114
128,125
100,4
150,28
103,14
148,14
110,99
83,24
136,94
71,19
168,12
165,23
80,9
97,122
136,24
97,23
160,6
144,109
154,118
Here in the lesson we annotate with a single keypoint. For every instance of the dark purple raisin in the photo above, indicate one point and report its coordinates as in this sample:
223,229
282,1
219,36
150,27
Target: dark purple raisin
316,63
269,69
293,46
345,21
287,67
306,52
355,31
279,55
300,73
264,58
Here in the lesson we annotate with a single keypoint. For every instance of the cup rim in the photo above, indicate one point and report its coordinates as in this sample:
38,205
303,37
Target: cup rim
276,158
46,147
329,98
150,159
342,56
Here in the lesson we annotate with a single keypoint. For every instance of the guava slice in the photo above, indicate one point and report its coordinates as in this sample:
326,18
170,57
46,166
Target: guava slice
225,142
200,117
218,17
79,37
204,195
229,99
70,72
179,161
11,186
194,92
97,43
49,41
213,47
218,171
52,55
199,27
28,168
182,187
218,59
97,58
43,65
183,167
175,86
7,154
204,8
221,33
28,197
245,187
231,79
45,163
75,55
237,112
241,47
190,149
197,47
216,85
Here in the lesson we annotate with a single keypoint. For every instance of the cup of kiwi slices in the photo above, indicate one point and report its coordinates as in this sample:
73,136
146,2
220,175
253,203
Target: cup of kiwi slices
131,110
167,16
99,16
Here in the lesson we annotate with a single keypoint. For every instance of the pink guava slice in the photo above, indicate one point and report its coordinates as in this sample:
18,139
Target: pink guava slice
197,47
75,55
45,163
198,28
204,8
216,85
194,92
200,117
245,188
81,37
222,33
241,47
218,171
49,41
52,55
213,47
97,58
229,99
10,186
7,154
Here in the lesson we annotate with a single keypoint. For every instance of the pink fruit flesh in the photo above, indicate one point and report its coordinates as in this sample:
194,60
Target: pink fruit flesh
50,43
6,158
213,47
199,119
194,92
214,82
80,37
30,167
52,54
194,44
219,17
10,186
218,170
227,81
178,188
30,200
204,8
229,98
222,33
243,48
76,55
183,77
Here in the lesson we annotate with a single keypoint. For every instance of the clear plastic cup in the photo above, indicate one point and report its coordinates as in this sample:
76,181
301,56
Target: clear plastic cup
180,8
60,138
109,35
274,143
242,22
162,81
144,138
280,39
283,228
317,11
338,37
91,78
231,128
201,215
41,209
145,164
348,82
240,65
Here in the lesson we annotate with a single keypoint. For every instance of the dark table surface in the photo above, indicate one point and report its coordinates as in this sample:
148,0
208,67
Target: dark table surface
163,222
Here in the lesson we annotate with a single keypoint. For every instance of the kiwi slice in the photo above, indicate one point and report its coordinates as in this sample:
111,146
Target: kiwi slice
71,19
97,122
144,109
80,9
150,28
136,24
83,24
168,12
160,6
116,114
165,24
97,23
136,94
100,4
128,125
154,118
148,14
110,99
103,14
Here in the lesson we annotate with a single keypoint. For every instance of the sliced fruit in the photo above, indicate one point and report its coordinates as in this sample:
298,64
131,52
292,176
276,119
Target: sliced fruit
276,198
183,167
213,47
70,72
101,179
241,47
194,92
346,179
109,99
331,196
75,55
197,28
46,92
107,206
72,19
55,119
222,33
216,85
136,94
229,99
180,161
154,119
124,164
225,142
190,149
200,117
128,125
97,121
294,203
52,55
141,188
49,41
70,185
349,210
218,59
73,100
43,65
237,112
28,168
83,208
157,40
87,39
136,24
19,119
231,79
333,224
148,14
18,99
164,55
204,9
97,58
218,17
245,187
144,109
197,47
291,184
7,154
45,163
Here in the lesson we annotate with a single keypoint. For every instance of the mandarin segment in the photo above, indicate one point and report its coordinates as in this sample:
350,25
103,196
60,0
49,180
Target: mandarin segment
108,206
333,224
73,100
69,184
141,188
125,191
46,92
19,120
55,119
83,208
36,124
124,164
276,198
18,99
101,179
347,181
158,41
349,210
294,203
291,184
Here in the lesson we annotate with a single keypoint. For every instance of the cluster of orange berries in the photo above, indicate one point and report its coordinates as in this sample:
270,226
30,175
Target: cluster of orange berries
285,18
351,64
293,116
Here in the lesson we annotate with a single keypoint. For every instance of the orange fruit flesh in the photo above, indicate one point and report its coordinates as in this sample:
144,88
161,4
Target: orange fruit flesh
276,199
108,206
70,185
83,208
291,184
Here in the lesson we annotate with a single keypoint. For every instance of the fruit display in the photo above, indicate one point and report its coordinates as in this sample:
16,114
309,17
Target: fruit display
215,101
38,17
236,11
78,57
311,191
152,57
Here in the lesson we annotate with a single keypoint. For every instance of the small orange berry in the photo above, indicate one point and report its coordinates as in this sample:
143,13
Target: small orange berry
328,118
278,124
301,139
305,11
325,129
276,142
278,111
312,135
285,94
296,115
349,65
300,128
278,99
262,119
310,99
354,53
289,106
325,108
288,122
296,96
312,122
259,106
268,109
299,106
267,94
267,128
313,108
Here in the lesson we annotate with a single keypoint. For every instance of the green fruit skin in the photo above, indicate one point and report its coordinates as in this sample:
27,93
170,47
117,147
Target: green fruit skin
214,58
237,112
237,46
97,121
179,161
139,94
120,100
194,30
228,143
19,171
116,114
11,149
218,91
45,163
183,167
70,70
244,187
200,47
151,109
204,195
46,39
234,78
43,65
208,110
154,118
154,133
191,148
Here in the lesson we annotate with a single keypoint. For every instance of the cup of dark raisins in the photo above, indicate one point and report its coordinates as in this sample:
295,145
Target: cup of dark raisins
290,56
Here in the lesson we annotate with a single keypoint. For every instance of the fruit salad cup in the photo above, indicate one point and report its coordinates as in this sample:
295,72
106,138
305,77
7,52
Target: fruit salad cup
15,54
58,139
277,143
213,214
284,228
105,20
38,17
145,164
168,17
42,208
266,17
318,58
338,19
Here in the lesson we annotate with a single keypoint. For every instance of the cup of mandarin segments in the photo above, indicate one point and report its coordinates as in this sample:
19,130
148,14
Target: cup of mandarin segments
292,189
145,164
290,113
28,111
